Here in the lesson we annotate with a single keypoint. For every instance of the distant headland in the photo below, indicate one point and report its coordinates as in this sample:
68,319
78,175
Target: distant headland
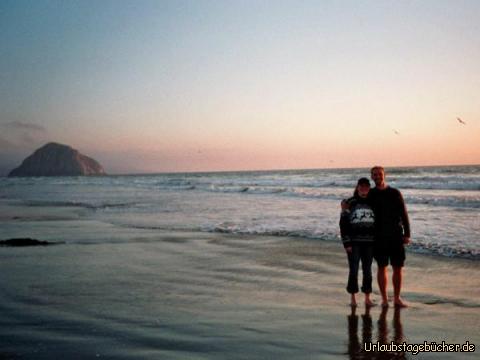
55,159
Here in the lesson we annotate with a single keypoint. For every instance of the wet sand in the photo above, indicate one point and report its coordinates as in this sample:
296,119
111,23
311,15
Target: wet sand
185,295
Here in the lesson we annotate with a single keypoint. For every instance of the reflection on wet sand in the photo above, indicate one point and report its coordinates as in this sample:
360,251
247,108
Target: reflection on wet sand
356,349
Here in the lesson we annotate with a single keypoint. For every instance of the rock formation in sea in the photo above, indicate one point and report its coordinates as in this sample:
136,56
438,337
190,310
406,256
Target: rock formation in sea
25,242
55,159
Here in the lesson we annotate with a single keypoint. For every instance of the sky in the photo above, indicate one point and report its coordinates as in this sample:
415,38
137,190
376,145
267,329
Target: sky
166,86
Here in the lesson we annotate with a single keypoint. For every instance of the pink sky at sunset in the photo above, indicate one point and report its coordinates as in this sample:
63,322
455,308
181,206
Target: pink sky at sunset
213,86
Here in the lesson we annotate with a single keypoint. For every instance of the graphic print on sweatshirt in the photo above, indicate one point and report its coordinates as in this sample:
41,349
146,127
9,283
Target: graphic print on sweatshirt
362,215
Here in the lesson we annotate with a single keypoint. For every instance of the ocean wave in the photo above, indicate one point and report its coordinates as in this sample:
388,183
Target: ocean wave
93,206
455,202
407,170
460,200
440,250
239,185
430,299
280,233
238,229
445,250
403,178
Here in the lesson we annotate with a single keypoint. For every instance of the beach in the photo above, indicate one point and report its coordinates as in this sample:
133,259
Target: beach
216,296
172,175
159,267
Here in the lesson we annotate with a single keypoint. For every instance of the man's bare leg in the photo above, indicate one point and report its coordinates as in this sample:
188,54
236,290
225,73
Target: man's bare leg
397,286
382,283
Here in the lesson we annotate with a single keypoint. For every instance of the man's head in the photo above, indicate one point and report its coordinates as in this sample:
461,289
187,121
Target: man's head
378,176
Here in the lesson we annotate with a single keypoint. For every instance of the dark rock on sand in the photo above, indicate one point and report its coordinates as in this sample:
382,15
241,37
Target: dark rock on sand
24,242
55,159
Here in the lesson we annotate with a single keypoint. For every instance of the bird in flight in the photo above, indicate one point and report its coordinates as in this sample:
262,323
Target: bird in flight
461,121
396,132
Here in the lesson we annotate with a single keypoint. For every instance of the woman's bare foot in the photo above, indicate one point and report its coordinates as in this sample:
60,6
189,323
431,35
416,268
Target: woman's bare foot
368,301
353,301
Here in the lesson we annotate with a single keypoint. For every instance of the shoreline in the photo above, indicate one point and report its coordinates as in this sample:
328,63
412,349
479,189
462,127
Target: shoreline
14,212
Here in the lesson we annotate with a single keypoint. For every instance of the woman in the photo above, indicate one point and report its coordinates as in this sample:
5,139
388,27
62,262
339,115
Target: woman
357,230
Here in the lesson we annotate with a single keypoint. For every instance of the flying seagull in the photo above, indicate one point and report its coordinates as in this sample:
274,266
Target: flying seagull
396,132
461,121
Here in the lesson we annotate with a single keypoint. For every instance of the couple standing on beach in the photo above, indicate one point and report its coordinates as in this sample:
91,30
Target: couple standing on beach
374,224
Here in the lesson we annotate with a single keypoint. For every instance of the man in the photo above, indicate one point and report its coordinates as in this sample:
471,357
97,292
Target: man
392,233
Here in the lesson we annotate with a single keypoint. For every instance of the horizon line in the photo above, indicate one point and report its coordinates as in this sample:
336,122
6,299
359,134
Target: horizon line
262,170
281,170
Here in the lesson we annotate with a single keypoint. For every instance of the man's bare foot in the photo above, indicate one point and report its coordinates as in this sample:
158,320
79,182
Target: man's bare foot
353,301
384,302
400,303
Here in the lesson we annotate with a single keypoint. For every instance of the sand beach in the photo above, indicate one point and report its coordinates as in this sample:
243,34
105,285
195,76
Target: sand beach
181,295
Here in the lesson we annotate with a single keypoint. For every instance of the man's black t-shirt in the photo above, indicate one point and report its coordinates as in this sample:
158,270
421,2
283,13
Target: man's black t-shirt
391,219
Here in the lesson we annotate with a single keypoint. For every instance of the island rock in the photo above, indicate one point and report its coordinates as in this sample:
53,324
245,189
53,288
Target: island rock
25,242
55,159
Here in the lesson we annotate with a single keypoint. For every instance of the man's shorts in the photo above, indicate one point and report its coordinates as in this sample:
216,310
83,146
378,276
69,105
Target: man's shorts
393,254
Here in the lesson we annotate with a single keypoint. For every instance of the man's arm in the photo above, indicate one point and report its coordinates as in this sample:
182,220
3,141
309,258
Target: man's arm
405,220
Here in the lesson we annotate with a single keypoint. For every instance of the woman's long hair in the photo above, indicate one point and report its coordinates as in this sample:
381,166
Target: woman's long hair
355,192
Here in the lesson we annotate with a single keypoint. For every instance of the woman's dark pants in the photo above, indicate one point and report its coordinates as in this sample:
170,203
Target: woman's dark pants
363,252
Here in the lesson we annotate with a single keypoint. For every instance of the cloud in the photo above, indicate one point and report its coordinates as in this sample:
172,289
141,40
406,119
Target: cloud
6,145
20,125
21,135
17,140
10,156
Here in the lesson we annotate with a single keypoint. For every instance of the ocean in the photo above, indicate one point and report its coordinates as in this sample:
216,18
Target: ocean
443,204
